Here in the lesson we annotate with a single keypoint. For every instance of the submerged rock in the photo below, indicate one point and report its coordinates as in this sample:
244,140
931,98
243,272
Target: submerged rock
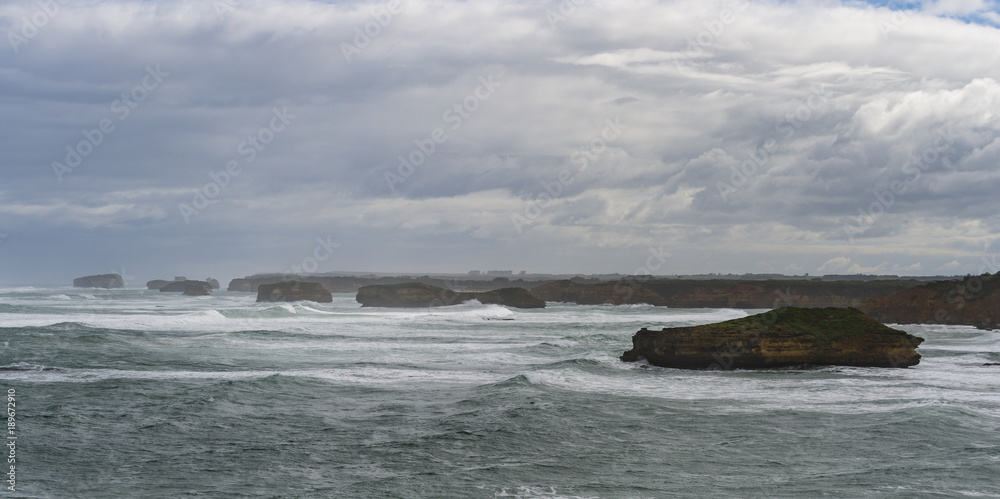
421,295
293,291
784,337
107,281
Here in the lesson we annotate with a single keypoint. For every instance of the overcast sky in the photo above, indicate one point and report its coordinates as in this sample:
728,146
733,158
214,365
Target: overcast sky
642,136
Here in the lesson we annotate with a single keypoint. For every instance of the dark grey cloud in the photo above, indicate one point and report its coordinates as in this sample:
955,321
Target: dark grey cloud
755,137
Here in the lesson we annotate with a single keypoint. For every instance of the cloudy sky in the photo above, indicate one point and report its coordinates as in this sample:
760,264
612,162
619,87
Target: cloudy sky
231,137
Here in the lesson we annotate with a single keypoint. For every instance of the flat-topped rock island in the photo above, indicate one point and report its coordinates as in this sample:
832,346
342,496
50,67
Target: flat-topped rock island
106,281
783,337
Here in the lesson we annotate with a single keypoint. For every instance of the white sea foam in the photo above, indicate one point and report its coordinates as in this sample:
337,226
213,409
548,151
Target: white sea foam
360,375
830,389
316,311
529,492
484,343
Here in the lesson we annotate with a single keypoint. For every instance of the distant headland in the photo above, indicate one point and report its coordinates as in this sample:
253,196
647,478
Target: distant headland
968,300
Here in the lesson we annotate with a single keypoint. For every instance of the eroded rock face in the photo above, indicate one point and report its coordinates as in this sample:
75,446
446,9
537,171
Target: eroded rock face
973,301
107,281
421,295
784,337
293,291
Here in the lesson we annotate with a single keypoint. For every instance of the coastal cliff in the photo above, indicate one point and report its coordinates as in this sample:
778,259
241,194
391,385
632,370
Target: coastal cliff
681,293
421,295
293,291
351,284
973,301
784,337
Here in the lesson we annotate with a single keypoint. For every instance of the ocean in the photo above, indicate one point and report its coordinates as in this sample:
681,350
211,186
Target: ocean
136,393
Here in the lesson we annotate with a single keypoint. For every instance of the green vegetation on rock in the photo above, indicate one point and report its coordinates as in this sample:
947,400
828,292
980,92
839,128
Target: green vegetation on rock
782,337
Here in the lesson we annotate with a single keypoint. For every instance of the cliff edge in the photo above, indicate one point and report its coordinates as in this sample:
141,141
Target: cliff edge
973,301
293,291
421,295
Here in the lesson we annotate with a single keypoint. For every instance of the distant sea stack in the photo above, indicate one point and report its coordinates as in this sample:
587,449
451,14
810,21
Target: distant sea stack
421,295
157,284
178,285
196,290
182,286
973,301
293,291
107,281
787,336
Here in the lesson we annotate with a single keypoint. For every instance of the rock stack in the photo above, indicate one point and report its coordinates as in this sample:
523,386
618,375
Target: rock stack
787,336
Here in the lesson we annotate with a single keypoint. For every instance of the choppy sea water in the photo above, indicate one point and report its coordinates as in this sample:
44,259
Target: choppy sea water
135,393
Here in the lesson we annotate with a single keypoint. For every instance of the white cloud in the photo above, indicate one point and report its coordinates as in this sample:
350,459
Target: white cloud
956,7
907,269
833,265
950,266
845,118
861,269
